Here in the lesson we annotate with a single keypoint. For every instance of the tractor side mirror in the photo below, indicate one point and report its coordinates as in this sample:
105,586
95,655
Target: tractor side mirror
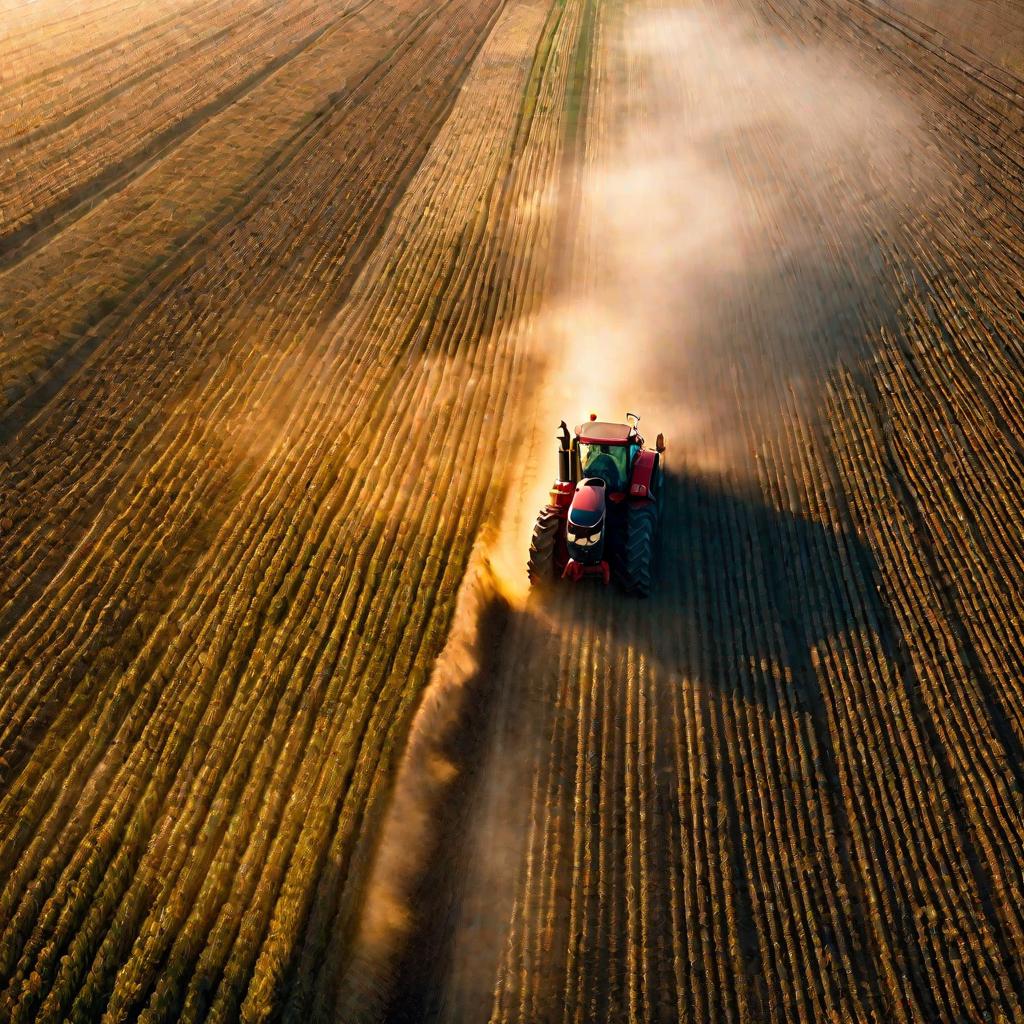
635,419
660,443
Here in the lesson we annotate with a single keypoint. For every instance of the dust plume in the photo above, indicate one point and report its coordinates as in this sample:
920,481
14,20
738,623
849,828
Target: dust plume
440,740
720,239
725,229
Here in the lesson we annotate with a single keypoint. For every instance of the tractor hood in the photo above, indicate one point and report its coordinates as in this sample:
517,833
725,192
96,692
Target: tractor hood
587,509
584,529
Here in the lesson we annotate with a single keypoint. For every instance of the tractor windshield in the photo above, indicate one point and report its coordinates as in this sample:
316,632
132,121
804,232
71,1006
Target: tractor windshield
608,461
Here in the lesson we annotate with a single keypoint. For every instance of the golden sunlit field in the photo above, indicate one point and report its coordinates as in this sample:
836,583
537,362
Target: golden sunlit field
293,295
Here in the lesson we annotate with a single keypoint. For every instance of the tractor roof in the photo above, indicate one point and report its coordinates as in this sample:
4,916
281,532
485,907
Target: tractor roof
603,433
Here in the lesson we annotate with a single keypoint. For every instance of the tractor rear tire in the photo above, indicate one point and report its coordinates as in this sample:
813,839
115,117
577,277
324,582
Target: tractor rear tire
636,572
541,566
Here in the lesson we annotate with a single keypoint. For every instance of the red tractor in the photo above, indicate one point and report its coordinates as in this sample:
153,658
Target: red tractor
602,517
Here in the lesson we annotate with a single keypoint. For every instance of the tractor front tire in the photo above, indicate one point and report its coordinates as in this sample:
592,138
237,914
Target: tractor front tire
637,565
541,566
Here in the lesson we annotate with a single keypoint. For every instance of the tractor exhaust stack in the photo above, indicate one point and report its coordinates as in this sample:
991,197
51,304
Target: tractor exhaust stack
564,454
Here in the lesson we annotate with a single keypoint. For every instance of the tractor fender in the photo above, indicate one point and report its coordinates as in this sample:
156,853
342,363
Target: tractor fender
560,497
644,476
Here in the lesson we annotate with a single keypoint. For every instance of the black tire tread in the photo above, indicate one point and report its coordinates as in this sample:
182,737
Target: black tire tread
541,565
637,562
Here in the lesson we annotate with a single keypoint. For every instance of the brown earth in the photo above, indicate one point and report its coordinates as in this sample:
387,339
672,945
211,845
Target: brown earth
291,296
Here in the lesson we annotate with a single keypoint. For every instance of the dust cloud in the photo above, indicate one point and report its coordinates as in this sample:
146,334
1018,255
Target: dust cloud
441,740
726,229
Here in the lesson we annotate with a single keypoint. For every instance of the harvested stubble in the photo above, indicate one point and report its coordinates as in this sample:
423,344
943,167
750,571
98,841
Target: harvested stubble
271,274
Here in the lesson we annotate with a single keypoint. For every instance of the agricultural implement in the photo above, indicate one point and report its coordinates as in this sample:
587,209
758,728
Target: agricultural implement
601,521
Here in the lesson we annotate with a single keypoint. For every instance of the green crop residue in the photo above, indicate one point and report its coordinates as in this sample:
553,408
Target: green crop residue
541,57
579,76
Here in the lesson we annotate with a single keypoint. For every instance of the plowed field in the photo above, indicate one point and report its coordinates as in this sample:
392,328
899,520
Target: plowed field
292,296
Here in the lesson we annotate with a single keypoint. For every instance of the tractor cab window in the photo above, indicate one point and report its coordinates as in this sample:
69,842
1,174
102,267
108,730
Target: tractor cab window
608,461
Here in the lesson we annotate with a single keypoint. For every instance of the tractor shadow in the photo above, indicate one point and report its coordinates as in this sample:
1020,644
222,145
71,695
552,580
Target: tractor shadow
728,653
715,695
742,654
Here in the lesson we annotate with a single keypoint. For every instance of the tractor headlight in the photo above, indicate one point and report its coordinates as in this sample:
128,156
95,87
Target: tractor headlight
586,540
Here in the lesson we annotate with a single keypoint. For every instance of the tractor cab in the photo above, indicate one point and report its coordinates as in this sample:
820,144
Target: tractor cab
607,451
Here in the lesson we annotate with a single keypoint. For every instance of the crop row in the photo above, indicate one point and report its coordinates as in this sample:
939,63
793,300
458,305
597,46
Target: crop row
225,311
63,301
39,37
38,96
